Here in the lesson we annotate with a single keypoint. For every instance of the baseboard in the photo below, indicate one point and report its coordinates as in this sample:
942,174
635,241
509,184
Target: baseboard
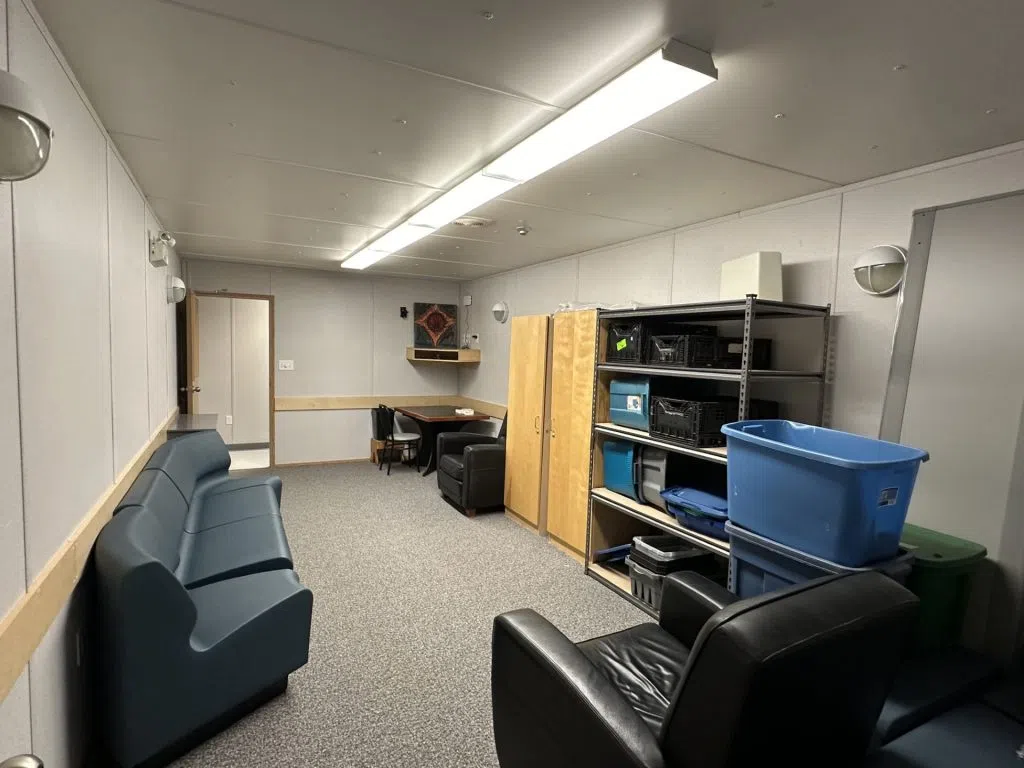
565,549
326,463
26,623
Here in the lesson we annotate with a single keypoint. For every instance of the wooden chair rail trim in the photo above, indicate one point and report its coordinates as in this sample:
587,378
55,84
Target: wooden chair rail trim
365,402
28,620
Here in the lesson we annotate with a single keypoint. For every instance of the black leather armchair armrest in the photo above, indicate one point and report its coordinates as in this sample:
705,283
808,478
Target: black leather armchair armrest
688,600
484,479
457,442
553,707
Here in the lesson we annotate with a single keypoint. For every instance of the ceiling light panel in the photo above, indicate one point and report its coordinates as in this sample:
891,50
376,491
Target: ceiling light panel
647,88
662,78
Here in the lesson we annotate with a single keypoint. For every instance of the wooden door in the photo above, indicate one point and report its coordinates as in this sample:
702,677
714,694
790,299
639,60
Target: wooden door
192,352
524,445
560,408
581,421
572,387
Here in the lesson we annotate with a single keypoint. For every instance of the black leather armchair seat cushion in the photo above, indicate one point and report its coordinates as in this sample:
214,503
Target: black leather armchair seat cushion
645,664
794,677
452,465
471,469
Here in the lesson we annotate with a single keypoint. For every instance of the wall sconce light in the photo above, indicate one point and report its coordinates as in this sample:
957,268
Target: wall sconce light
25,132
880,271
500,312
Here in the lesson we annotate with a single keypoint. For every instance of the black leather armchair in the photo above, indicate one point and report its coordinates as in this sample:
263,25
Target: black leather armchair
471,469
796,677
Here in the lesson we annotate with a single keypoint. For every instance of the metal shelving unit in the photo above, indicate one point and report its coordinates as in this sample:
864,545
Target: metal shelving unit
748,310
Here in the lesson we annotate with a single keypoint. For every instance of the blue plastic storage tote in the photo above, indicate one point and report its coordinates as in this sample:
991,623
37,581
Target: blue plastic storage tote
620,467
758,565
630,402
831,494
698,510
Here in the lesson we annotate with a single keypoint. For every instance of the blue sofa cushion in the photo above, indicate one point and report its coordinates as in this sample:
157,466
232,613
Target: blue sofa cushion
142,530
229,502
187,460
236,549
220,481
154,490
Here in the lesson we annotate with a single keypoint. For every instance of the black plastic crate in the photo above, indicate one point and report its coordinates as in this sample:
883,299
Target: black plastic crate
698,423
686,350
695,423
625,342
729,354
665,554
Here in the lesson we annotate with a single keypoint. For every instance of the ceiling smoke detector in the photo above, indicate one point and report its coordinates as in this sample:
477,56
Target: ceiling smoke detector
474,222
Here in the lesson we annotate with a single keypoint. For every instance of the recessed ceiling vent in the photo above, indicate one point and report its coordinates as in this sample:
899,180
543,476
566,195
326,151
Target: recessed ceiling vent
473,222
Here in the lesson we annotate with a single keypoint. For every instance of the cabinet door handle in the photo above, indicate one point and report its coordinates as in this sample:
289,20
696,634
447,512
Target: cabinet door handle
552,426
536,424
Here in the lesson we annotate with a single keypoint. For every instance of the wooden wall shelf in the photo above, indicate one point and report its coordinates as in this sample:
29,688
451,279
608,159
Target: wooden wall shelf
457,356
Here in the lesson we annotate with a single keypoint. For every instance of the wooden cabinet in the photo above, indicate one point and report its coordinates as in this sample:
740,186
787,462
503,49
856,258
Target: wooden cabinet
571,408
524,443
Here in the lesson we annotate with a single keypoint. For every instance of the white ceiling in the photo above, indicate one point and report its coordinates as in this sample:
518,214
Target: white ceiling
293,132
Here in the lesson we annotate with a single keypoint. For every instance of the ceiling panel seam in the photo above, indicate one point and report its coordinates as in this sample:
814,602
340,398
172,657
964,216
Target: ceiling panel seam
367,56
216,207
263,242
735,156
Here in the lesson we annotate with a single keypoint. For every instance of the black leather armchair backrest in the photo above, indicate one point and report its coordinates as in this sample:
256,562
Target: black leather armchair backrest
501,431
185,460
795,677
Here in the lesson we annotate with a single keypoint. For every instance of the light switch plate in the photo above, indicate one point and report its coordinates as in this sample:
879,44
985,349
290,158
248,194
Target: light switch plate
228,420
286,365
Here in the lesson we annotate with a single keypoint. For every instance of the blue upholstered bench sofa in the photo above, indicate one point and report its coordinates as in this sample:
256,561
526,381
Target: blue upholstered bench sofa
201,615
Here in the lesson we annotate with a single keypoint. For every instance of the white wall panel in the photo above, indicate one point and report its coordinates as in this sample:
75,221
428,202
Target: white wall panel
313,436
128,342
156,332
213,336
225,276
173,268
538,290
488,380
807,235
250,370
880,213
639,271
16,720
63,311
393,374
323,324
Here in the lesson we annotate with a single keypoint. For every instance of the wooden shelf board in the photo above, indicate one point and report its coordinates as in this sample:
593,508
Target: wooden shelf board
619,583
464,356
659,519
708,374
717,455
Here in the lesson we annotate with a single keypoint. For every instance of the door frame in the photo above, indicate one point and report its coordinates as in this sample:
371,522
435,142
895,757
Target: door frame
193,349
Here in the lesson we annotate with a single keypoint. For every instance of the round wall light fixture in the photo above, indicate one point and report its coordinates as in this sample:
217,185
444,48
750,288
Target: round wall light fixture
500,312
880,271
25,132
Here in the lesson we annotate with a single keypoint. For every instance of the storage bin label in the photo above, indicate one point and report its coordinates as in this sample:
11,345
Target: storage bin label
888,497
634,403
620,345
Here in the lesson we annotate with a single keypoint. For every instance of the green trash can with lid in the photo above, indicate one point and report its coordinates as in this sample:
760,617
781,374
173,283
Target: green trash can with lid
941,577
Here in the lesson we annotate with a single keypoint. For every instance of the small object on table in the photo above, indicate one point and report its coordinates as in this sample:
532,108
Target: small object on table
464,411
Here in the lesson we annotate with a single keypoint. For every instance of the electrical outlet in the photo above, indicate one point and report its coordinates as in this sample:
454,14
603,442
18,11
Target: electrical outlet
228,420
286,365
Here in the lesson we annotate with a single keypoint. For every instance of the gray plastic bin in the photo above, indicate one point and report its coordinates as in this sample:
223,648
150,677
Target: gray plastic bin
645,585
654,466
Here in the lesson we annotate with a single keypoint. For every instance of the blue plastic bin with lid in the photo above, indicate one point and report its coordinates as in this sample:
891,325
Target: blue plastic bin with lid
620,467
758,564
698,510
834,495
630,402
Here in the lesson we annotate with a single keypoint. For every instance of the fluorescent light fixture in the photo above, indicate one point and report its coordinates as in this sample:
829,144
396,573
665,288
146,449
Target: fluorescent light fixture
467,196
649,87
661,79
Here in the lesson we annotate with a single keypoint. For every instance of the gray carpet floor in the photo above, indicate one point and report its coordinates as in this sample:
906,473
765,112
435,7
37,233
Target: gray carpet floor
404,593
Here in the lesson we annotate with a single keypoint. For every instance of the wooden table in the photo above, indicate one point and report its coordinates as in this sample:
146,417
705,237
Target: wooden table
433,419
187,423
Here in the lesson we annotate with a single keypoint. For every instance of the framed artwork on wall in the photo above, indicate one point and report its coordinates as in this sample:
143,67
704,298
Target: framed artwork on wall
435,326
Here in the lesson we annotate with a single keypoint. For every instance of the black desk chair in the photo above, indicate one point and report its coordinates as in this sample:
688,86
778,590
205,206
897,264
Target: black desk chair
384,429
471,469
795,677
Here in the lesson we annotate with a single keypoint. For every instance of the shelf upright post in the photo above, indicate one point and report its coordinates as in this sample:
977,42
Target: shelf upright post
826,360
748,343
593,443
